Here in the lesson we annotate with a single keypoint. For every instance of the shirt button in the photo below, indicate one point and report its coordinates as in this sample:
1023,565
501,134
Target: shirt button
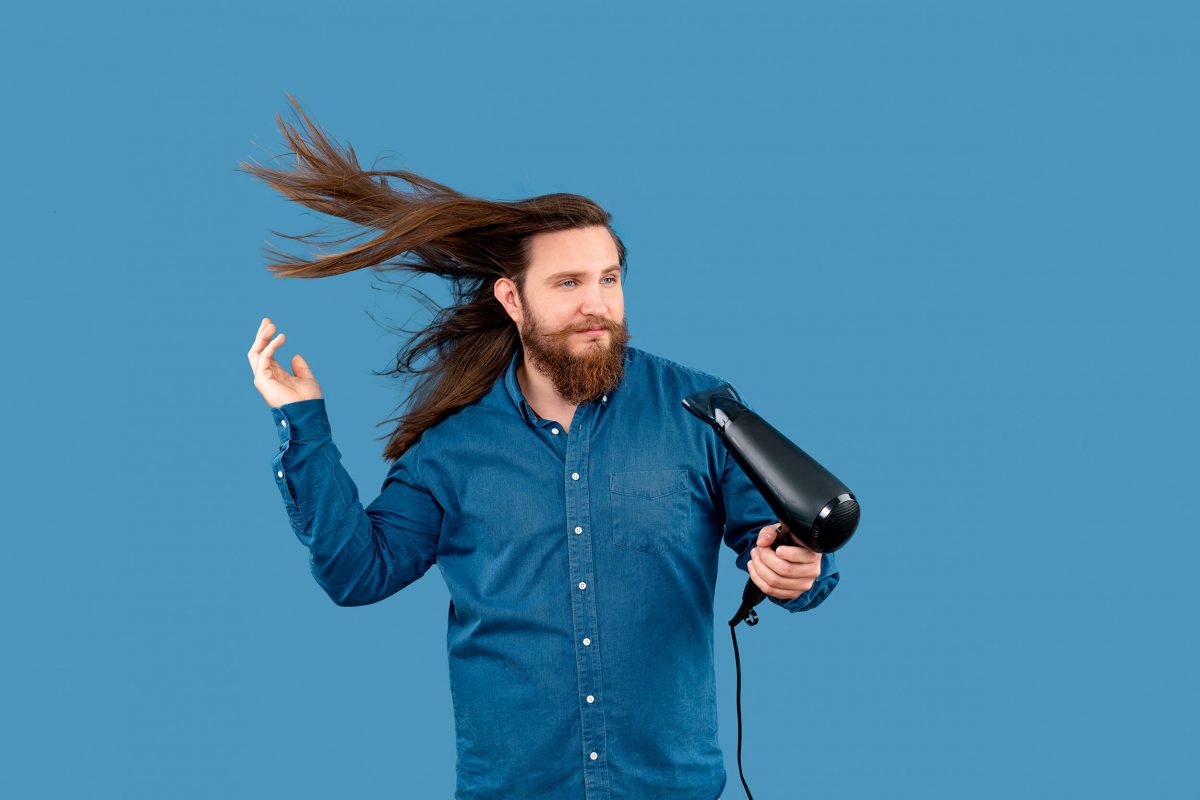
604,399
578,529
586,641
554,430
582,585
279,474
591,699
574,476
594,756
283,422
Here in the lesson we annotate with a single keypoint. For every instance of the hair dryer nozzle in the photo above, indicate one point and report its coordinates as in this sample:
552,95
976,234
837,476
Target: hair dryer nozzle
718,407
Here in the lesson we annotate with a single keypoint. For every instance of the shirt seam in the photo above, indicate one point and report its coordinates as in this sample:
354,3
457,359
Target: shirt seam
417,460
318,437
332,467
668,362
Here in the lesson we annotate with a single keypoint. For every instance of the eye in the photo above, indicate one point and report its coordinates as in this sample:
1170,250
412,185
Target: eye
612,278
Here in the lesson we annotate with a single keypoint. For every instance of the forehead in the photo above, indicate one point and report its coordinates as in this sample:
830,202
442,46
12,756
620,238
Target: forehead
589,250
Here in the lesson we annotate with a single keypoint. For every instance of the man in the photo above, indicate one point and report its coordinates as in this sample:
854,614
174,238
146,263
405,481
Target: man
574,507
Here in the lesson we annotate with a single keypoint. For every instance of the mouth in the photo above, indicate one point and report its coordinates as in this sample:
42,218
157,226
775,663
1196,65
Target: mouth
592,331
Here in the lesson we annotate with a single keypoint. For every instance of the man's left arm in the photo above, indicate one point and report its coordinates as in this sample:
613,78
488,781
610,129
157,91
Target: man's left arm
750,525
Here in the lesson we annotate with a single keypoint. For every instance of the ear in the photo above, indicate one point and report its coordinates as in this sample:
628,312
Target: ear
506,292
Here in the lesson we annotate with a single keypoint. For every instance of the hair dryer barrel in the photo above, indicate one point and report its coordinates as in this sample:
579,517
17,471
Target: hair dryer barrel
812,504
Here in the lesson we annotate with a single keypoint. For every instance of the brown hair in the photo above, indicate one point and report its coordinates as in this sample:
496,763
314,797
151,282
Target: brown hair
470,241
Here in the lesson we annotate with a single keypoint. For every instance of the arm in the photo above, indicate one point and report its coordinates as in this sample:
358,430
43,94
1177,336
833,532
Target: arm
358,556
746,513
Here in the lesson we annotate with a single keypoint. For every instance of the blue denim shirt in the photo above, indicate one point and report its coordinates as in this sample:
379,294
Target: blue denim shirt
581,569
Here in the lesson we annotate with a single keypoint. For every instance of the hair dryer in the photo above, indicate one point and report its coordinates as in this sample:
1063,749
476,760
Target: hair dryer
814,508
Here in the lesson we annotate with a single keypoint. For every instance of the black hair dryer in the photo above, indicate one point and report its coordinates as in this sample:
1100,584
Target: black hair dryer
814,508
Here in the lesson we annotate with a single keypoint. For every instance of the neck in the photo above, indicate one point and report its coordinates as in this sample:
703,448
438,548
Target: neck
540,392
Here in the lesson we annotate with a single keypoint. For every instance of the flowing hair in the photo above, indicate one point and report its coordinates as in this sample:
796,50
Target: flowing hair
470,241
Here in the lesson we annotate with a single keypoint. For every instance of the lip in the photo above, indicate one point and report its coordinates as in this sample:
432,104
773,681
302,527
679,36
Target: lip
592,331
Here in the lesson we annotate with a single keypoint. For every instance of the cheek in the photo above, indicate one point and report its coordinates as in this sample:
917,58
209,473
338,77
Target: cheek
553,317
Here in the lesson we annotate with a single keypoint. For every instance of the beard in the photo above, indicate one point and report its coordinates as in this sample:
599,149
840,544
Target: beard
581,377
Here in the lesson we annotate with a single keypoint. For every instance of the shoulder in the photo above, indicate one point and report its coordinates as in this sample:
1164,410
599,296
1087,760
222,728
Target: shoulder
666,368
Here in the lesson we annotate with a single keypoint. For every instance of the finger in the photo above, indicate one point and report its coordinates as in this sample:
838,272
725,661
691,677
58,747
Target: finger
784,575
772,585
766,535
797,554
260,340
300,367
267,356
752,568
264,333
770,560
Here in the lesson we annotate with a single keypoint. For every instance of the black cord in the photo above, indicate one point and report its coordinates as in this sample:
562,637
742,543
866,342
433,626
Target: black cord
738,662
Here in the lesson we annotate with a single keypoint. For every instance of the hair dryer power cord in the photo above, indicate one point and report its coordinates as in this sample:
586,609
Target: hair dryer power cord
751,619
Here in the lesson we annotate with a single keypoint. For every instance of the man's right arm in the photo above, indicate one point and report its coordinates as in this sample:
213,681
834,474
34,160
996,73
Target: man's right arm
358,555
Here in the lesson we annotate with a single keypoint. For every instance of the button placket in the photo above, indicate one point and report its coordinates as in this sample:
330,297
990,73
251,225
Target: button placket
584,614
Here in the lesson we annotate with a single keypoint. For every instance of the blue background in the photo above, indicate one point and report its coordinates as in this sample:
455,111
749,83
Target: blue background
948,248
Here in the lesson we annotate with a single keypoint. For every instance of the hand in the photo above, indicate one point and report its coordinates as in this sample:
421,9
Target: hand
785,572
270,378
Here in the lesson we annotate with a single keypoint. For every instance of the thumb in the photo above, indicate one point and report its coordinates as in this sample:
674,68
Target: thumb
300,367
766,536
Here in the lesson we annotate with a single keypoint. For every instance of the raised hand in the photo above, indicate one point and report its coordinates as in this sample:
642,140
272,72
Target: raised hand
270,378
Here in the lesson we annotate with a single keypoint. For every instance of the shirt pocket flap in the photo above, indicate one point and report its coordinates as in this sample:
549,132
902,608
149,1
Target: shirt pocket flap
648,483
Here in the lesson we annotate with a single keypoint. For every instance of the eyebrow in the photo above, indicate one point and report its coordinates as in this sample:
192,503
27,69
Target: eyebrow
577,273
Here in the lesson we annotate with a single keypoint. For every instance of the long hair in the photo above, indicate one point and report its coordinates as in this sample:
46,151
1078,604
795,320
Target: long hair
470,241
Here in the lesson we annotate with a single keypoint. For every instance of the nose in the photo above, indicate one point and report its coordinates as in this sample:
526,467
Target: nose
593,303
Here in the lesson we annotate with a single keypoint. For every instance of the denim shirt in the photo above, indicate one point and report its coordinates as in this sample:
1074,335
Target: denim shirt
581,569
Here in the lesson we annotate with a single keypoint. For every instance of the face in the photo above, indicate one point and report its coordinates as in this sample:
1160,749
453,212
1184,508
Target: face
573,284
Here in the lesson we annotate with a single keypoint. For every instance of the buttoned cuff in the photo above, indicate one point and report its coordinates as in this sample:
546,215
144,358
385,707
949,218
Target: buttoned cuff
301,420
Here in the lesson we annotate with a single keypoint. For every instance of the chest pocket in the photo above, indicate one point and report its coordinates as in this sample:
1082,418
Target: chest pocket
650,509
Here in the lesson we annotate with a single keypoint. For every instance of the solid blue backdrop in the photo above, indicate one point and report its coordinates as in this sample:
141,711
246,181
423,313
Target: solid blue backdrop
947,248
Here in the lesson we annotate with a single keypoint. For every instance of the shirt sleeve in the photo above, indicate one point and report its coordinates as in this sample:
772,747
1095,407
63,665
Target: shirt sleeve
357,555
746,513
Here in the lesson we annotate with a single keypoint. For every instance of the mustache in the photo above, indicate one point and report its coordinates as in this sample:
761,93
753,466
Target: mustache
607,325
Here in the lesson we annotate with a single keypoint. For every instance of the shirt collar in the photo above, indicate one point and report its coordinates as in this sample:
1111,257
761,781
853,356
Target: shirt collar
518,397
514,388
